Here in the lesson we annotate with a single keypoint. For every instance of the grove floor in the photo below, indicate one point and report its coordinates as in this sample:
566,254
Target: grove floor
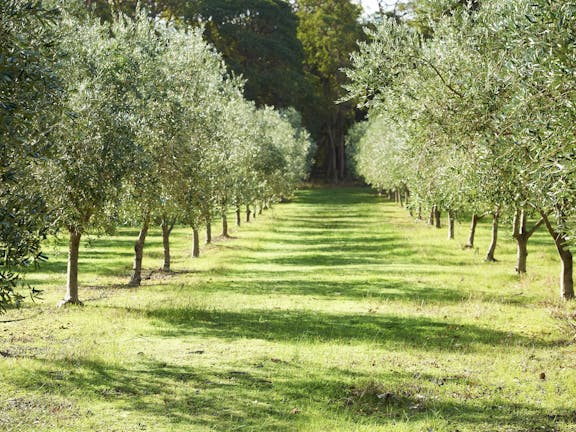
334,312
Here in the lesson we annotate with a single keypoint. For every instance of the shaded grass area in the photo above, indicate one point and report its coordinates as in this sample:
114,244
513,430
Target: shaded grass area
335,312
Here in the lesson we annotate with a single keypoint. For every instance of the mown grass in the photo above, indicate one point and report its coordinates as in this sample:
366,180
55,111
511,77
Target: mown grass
335,312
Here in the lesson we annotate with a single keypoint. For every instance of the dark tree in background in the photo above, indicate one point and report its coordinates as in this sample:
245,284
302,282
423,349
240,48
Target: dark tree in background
289,53
257,39
329,31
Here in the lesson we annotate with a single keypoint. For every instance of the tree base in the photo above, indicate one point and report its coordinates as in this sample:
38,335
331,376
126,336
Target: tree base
69,302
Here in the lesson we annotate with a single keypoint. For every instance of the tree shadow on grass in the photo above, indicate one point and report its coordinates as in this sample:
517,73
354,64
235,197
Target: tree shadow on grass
261,396
382,330
302,284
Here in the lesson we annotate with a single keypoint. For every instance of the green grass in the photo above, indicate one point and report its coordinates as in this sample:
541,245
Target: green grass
335,312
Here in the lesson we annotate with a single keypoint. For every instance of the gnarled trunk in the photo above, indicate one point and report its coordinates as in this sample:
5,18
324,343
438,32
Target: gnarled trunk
522,234
494,237
136,277
72,272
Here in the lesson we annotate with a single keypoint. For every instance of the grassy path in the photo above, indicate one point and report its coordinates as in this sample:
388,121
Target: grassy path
335,312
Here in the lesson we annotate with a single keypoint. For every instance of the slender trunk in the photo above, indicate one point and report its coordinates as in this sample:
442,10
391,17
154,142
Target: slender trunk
167,227
136,277
342,156
332,169
419,213
432,214
494,238
437,215
72,275
450,225
238,217
195,243
519,228
208,231
400,199
224,225
248,212
521,254
566,273
472,234
261,208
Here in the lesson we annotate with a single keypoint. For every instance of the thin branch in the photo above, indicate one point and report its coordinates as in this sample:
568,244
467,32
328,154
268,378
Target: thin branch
452,89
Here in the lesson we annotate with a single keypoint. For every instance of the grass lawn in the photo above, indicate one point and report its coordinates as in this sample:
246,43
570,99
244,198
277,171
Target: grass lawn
335,312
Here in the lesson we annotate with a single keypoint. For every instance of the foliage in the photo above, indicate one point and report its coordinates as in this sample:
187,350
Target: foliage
483,101
29,105
329,31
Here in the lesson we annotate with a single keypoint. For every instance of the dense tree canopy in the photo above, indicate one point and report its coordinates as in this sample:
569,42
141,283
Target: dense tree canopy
474,113
29,106
145,125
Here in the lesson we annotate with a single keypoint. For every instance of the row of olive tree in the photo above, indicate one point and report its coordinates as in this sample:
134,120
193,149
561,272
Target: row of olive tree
477,115
148,126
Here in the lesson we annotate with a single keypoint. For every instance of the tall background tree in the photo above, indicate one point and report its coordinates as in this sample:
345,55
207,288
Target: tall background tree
329,31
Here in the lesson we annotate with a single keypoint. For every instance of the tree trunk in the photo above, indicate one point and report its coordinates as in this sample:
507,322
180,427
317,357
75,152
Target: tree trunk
419,213
522,234
167,227
432,214
450,225
224,225
566,276
566,273
261,208
195,243
437,215
238,217
333,169
519,228
342,152
521,254
136,277
400,199
248,212
72,274
208,231
494,238
472,234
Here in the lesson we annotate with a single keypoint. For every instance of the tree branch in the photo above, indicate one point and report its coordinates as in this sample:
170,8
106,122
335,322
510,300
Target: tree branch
452,89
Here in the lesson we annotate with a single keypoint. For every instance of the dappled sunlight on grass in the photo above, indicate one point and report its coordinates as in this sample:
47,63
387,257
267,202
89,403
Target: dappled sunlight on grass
335,312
